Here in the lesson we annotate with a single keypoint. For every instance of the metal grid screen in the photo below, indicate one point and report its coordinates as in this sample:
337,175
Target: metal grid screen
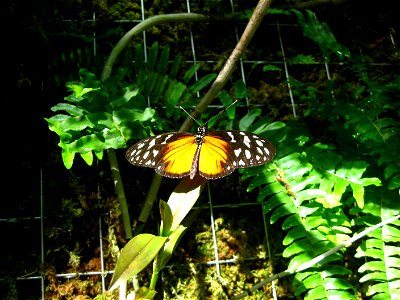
275,38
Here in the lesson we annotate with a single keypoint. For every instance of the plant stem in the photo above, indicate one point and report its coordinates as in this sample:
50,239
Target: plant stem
119,190
107,69
146,24
226,72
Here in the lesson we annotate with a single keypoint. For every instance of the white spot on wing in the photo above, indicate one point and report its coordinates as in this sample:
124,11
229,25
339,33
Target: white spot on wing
166,138
259,142
237,152
146,154
151,144
232,137
246,141
247,153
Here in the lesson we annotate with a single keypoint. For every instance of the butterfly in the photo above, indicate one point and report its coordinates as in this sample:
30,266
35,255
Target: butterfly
212,155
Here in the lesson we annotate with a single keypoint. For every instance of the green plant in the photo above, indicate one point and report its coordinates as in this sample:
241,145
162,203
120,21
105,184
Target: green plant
320,188
325,186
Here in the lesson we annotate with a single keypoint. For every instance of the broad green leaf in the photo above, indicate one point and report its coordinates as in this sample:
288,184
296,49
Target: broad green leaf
78,123
135,256
166,218
130,92
274,202
184,197
125,114
87,143
113,139
169,247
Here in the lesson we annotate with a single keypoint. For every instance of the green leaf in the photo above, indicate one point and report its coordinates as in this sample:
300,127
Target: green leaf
124,114
163,61
87,143
240,89
129,93
73,110
152,57
135,256
271,68
184,197
190,73
166,218
67,157
176,66
79,90
78,123
202,83
87,157
358,194
394,182
169,247
249,118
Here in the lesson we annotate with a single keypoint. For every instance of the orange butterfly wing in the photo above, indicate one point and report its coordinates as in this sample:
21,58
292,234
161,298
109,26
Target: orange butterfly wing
224,151
170,154
215,160
177,157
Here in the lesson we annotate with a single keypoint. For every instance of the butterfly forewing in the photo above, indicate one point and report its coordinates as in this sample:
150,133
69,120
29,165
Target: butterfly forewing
170,154
238,149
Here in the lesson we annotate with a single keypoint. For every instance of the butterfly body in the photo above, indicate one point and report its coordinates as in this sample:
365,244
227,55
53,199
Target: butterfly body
212,155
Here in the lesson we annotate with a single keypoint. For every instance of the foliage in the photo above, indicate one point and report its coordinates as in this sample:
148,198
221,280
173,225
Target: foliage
321,35
325,186
321,188
105,115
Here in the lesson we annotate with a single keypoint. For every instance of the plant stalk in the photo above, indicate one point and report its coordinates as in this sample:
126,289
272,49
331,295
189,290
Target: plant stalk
107,69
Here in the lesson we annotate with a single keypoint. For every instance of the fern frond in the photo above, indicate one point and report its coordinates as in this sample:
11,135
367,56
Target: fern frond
306,191
381,252
157,78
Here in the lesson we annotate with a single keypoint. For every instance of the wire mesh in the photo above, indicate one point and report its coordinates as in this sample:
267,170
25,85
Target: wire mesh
283,39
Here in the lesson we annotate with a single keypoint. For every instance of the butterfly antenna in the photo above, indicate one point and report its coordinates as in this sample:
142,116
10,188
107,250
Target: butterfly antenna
190,116
222,111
